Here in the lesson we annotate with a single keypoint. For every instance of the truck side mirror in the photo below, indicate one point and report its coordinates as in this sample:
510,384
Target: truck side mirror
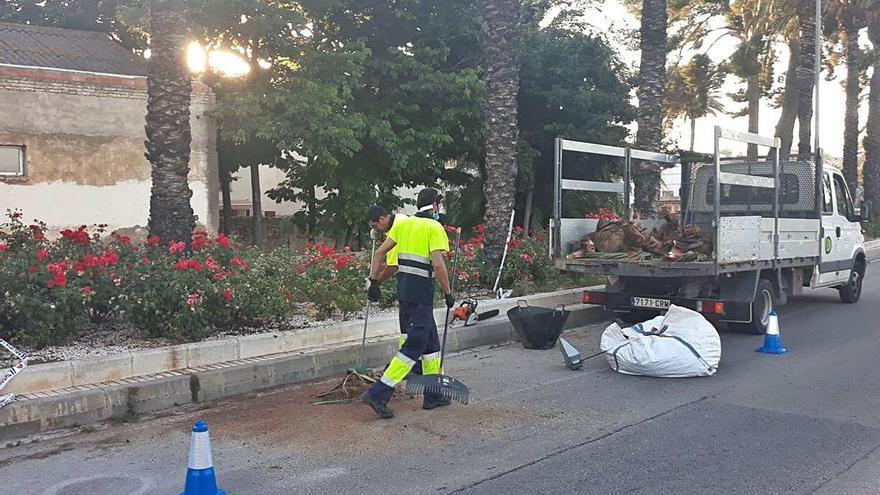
867,213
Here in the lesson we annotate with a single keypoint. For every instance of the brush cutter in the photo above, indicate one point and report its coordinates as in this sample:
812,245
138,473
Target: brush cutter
442,385
467,314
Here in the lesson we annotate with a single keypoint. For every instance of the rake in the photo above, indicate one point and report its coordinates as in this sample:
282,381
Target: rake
440,384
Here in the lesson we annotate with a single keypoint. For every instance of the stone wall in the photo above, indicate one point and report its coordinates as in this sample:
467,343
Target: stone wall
84,148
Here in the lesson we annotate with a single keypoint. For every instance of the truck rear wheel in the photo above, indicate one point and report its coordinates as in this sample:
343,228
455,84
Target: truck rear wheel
761,307
852,291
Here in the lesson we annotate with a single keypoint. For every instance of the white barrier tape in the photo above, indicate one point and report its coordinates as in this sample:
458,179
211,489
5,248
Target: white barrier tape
12,372
15,352
7,399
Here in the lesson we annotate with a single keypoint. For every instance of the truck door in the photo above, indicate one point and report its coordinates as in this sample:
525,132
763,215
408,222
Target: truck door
851,229
838,241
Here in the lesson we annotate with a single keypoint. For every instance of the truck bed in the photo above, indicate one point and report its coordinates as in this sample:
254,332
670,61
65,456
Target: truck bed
595,266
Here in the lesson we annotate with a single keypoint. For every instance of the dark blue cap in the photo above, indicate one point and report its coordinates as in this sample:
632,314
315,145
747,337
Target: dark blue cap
200,427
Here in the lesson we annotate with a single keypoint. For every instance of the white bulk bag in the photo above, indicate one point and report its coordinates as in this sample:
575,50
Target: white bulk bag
680,344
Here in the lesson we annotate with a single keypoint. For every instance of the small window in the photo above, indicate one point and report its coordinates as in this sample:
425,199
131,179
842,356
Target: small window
844,203
11,161
827,203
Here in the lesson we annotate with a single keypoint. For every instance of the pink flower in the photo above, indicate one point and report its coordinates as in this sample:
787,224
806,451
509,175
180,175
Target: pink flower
4,247
223,240
239,262
87,290
194,299
227,295
185,265
42,254
153,240
176,247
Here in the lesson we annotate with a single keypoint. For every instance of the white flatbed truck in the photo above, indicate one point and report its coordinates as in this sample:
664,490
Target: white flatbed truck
777,227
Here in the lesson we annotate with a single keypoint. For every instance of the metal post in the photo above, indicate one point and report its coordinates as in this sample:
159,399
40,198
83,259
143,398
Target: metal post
717,214
627,179
817,75
820,174
776,195
557,197
685,193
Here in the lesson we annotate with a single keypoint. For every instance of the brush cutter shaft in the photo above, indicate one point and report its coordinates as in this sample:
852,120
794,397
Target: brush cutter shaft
451,290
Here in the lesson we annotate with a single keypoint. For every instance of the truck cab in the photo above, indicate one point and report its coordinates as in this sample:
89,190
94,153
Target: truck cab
842,258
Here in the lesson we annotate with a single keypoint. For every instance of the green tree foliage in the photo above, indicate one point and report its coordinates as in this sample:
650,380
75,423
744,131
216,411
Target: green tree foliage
692,91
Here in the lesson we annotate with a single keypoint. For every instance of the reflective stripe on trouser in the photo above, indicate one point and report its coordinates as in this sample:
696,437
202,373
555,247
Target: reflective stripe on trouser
417,368
431,363
422,339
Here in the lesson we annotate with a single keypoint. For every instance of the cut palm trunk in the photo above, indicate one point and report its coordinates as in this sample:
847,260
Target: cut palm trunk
442,385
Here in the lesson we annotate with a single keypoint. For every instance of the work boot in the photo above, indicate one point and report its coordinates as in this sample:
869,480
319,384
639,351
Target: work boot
433,402
382,410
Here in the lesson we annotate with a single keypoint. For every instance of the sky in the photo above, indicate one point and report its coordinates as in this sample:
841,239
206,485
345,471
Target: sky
831,99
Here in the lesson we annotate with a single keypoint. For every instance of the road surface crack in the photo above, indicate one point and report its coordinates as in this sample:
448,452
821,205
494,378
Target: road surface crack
582,444
846,469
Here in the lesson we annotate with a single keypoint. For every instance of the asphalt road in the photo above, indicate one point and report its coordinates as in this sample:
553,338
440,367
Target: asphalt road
802,423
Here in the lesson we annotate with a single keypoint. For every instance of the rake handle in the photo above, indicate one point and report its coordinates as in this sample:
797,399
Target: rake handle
451,290
367,313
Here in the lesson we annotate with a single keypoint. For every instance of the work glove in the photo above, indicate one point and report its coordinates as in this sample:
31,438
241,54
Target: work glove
374,293
450,300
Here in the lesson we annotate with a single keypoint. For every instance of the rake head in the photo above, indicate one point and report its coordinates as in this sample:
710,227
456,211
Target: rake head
442,385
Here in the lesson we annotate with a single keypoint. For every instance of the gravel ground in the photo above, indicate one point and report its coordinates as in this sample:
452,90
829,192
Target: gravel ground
113,338
108,339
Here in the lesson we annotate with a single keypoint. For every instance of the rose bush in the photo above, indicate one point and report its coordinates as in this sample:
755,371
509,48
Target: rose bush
183,291
186,291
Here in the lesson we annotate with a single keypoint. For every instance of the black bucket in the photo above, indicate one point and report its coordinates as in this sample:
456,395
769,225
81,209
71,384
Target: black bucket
537,328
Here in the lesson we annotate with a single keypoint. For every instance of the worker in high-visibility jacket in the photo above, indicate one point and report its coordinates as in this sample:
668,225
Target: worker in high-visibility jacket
421,241
381,221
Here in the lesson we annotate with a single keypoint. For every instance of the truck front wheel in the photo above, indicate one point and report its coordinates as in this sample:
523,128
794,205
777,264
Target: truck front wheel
761,308
852,291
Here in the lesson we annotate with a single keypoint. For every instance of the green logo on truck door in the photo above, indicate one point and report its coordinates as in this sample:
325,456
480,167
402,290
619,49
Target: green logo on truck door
828,245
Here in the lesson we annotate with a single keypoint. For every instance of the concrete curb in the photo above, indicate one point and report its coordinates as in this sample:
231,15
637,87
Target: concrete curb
65,374
81,405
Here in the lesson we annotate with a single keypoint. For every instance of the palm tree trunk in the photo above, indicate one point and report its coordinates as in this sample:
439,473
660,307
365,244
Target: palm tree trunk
652,84
693,132
871,172
167,123
753,92
501,31
312,218
527,217
257,208
785,124
226,192
806,74
851,115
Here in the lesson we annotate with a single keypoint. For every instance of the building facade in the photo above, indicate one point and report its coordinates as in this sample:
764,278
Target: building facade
72,108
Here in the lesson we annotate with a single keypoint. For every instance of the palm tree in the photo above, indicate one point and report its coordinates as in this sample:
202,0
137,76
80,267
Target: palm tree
692,91
789,104
871,171
501,32
652,85
851,20
806,15
167,123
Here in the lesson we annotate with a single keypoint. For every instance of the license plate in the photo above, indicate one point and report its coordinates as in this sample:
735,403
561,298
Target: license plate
647,302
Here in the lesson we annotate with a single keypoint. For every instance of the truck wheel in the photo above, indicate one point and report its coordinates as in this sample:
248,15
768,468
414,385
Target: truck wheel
852,291
761,308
